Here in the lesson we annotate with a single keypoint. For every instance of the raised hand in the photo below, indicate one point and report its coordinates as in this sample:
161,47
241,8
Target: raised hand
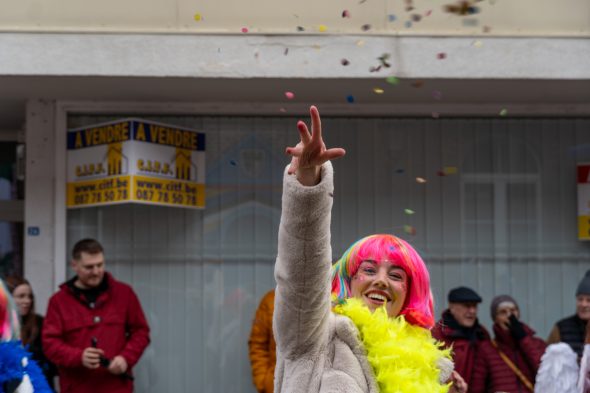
310,153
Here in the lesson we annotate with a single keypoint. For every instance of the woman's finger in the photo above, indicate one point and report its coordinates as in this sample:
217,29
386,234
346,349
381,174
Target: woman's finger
333,153
316,123
293,166
303,132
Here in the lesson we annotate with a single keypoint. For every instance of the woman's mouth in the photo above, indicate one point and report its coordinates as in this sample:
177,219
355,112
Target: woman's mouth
377,297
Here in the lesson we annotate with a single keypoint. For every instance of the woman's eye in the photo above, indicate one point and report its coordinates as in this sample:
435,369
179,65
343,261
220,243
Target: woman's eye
369,270
396,276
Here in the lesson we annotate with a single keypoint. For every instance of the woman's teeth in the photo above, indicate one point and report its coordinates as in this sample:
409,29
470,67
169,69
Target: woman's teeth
377,297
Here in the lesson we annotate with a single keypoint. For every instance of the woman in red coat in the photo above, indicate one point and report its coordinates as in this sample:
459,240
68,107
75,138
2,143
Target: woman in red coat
510,362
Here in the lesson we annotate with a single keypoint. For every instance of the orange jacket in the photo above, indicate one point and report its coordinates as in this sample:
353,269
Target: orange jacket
262,346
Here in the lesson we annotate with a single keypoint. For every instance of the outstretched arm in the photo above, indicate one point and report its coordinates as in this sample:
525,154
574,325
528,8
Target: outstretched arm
302,270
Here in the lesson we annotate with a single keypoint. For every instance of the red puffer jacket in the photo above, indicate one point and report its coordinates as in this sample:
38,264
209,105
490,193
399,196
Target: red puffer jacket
464,342
492,373
117,322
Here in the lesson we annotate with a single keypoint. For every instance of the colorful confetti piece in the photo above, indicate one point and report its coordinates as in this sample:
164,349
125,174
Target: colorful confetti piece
417,84
441,56
486,29
450,170
477,44
378,90
282,110
435,115
323,28
437,94
244,30
233,163
408,24
400,170
391,18
350,99
504,112
344,62
300,28
420,180
366,27
360,43
198,17
440,173
410,230
290,95
416,17
428,13
392,80
409,212
346,14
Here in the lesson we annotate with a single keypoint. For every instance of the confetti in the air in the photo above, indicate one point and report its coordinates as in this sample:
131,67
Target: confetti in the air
437,94
450,170
378,90
408,211
417,84
416,17
420,180
350,99
408,24
290,95
300,28
346,14
383,59
244,30
344,62
233,163
486,29
198,17
462,8
504,112
410,230
392,80
400,170
435,115
286,52
323,28
441,55
477,44
428,13
360,43
282,110
440,173
366,27
391,18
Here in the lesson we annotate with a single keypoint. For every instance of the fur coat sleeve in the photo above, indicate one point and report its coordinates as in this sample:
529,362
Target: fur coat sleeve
302,270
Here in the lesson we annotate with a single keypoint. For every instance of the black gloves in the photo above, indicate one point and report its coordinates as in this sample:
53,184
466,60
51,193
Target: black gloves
516,328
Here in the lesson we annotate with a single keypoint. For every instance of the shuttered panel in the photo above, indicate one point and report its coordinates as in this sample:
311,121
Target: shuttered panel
504,223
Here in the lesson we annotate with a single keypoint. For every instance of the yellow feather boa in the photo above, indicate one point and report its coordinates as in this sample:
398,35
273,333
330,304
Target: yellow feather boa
404,357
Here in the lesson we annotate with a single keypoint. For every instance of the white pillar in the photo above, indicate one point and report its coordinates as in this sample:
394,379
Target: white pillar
39,253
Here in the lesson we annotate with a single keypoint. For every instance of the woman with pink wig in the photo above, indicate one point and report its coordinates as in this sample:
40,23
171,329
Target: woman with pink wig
367,331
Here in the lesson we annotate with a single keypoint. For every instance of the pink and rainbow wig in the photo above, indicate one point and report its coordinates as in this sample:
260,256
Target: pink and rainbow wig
9,324
418,306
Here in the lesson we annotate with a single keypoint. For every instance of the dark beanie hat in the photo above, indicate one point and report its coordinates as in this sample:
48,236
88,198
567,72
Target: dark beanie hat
584,287
463,295
499,300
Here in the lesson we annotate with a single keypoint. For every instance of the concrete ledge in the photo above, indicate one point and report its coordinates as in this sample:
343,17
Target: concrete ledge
223,56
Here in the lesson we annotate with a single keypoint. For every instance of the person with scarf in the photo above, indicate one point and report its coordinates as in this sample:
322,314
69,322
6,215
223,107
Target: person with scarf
18,372
510,362
367,331
460,330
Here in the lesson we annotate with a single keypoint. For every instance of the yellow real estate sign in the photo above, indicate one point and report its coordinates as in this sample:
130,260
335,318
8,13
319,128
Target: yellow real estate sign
135,161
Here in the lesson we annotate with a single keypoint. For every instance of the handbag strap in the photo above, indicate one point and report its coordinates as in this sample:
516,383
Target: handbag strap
513,367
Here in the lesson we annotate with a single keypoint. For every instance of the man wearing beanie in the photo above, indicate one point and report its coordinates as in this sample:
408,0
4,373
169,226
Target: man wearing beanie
459,328
572,330
510,362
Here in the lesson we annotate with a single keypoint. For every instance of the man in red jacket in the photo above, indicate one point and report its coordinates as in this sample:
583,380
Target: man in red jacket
95,330
459,328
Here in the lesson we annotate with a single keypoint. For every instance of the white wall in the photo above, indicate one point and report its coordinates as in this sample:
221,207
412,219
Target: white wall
505,18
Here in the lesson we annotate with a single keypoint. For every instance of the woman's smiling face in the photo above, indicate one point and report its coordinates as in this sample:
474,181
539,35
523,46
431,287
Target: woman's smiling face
378,283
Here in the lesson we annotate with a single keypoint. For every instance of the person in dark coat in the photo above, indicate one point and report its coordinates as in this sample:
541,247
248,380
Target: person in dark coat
459,328
510,362
572,330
